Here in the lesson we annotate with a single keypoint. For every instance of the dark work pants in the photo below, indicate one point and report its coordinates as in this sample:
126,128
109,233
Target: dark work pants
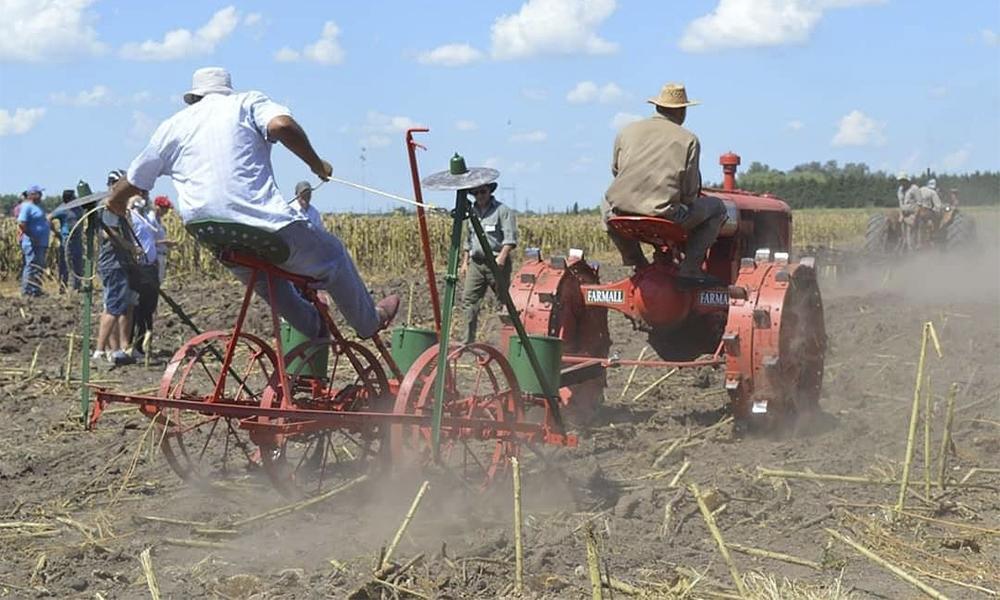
477,280
702,220
142,317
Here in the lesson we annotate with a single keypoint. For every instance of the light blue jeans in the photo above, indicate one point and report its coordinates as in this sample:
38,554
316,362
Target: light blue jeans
322,256
34,267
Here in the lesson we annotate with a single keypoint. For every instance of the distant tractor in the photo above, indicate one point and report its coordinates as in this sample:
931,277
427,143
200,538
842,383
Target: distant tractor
947,230
764,325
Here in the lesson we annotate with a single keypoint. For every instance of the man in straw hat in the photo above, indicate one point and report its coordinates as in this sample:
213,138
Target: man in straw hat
218,153
656,174
910,198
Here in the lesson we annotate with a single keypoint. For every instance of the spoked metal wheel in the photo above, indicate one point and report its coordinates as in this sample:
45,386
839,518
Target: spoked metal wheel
801,344
481,389
204,447
775,345
309,458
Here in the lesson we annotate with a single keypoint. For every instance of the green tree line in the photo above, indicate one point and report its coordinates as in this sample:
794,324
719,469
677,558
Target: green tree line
7,202
813,184
829,185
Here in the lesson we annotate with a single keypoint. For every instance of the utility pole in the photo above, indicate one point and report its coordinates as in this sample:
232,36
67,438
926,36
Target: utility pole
364,181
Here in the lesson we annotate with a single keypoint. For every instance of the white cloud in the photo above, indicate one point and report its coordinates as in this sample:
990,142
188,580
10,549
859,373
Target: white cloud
530,137
795,125
99,95
286,55
588,91
552,27
381,129
534,94
142,127
858,129
957,159
183,43
989,37
41,30
252,19
325,51
520,166
622,119
22,121
756,23
450,55
466,125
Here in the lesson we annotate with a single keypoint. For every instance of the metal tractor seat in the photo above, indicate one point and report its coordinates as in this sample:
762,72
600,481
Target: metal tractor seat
246,246
228,238
652,230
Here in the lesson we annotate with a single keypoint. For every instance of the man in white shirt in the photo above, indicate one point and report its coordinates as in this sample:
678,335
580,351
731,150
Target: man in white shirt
303,196
217,151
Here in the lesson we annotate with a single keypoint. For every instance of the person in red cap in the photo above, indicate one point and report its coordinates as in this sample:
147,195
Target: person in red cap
161,206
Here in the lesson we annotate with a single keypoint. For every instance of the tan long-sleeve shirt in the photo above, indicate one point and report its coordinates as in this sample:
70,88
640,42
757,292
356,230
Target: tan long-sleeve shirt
655,164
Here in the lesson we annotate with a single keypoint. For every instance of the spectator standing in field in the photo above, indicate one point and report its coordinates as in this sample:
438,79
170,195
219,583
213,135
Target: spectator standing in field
910,199
161,206
116,252
500,225
71,250
34,230
303,196
145,279
217,151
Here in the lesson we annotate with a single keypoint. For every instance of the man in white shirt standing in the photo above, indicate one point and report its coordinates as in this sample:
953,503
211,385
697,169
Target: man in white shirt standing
217,151
303,195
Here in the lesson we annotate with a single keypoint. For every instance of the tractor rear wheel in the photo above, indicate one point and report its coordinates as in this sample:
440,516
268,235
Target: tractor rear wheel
775,343
961,233
879,238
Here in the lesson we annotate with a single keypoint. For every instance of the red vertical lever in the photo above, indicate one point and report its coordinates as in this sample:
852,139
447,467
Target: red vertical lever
425,240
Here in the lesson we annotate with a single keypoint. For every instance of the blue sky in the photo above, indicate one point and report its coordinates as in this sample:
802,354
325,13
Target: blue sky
534,88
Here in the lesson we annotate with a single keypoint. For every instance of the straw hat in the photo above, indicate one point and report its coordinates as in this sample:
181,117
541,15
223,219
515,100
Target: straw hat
673,95
209,80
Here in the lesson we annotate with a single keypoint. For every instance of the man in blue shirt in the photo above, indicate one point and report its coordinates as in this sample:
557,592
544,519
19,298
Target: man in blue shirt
34,229
71,251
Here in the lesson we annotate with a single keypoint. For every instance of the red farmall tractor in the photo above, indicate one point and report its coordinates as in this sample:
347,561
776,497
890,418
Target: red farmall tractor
764,326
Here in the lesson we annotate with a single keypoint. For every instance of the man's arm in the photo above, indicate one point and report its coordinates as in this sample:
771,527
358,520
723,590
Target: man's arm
614,155
508,224
691,180
286,130
120,193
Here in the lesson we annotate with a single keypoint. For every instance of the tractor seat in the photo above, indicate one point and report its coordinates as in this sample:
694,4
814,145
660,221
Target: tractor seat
652,230
227,237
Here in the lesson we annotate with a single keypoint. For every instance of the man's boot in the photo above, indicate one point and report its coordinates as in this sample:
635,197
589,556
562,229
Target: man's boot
631,251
